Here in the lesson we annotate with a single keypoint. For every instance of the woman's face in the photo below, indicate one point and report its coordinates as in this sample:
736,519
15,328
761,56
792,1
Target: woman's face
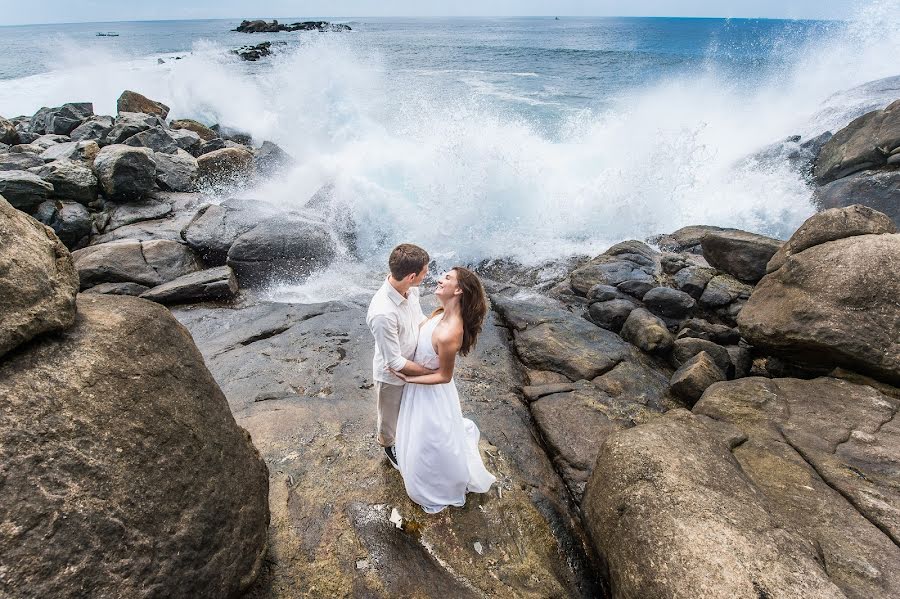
447,286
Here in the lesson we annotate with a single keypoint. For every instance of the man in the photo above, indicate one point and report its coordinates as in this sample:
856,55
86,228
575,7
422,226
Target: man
394,317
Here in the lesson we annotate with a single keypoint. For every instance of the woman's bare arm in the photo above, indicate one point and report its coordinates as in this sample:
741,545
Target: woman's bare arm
447,346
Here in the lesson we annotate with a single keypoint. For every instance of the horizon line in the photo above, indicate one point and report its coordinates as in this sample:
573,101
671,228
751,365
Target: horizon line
549,16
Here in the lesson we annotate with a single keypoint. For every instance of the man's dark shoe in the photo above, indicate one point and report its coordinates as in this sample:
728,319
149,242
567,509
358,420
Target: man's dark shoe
392,457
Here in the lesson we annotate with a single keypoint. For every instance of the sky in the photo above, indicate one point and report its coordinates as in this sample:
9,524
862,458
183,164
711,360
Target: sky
18,12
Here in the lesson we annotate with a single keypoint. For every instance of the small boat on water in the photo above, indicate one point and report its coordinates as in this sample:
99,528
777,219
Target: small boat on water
108,34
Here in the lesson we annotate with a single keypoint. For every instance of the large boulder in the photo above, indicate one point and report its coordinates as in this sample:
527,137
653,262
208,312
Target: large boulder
674,515
149,263
131,101
695,376
71,180
831,225
647,332
200,129
224,166
121,215
69,220
19,161
61,120
124,472
286,249
864,143
8,133
269,157
628,263
93,129
125,172
833,303
128,124
156,139
879,190
215,228
176,172
212,284
24,190
740,254
84,151
187,140
686,239
38,282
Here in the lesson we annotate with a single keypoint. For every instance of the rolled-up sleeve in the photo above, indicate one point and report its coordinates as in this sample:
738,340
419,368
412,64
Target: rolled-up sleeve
385,329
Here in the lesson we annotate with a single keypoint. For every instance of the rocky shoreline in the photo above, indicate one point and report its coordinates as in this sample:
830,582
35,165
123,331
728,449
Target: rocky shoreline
710,413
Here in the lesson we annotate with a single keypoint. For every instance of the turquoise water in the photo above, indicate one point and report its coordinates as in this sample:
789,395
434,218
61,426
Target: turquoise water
527,138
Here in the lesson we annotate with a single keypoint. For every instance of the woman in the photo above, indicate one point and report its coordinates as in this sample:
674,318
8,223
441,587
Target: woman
437,449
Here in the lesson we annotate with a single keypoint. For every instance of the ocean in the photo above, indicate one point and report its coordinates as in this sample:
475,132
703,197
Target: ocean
480,138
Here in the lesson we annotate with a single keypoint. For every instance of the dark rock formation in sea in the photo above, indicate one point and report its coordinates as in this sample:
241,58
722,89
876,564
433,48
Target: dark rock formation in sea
254,53
260,26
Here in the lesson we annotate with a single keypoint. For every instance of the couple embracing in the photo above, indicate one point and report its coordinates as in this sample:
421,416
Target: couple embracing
420,422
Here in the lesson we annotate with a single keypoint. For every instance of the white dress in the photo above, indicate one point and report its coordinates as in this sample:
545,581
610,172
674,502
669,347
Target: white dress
437,449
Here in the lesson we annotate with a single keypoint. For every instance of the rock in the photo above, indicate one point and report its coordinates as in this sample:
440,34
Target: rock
50,140
693,280
254,53
695,376
94,129
205,133
664,301
636,288
740,254
8,133
211,284
224,166
686,348
129,124
831,225
674,515
176,172
133,289
156,139
271,158
298,379
149,263
611,314
284,249
685,239
125,172
702,329
878,190
69,220
19,161
131,101
211,146
604,293
27,149
143,457
535,392
24,190
71,180
548,337
62,120
822,454
741,359
39,282
214,230
647,332
187,140
723,290
260,26
626,261
84,151
865,143
834,303
121,215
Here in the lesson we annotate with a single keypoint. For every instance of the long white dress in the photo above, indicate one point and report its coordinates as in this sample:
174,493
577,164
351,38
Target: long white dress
437,449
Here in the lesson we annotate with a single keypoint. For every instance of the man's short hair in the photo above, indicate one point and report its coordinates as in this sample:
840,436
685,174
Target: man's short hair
407,259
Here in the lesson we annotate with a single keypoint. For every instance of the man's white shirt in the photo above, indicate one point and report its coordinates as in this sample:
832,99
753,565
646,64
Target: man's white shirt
394,321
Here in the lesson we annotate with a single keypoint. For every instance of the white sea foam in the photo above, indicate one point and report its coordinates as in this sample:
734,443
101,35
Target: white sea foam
412,158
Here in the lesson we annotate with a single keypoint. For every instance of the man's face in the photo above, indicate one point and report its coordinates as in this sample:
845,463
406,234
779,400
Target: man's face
420,277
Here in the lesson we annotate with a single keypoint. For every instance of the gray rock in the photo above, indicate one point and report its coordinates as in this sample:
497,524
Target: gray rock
156,139
831,225
217,143
686,348
61,120
149,263
71,180
664,301
225,166
693,280
286,249
673,263
49,140
27,149
187,140
611,314
84,151
740,254
695,376
864,143
685,239
122,420
131,102
205,133
214,283
94,129
121,215
8,133
19,161
741,359
128,124
834,303
39,282
125,172
69,220
723,290
878,190
626,261
176,172
271,158
638,287
24,190
603,293
648,332
702,329
132,289
215,229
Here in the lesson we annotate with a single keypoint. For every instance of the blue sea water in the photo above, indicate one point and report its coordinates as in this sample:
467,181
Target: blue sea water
528,138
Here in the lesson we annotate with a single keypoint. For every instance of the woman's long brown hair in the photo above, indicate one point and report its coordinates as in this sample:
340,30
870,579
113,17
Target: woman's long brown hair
472,307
